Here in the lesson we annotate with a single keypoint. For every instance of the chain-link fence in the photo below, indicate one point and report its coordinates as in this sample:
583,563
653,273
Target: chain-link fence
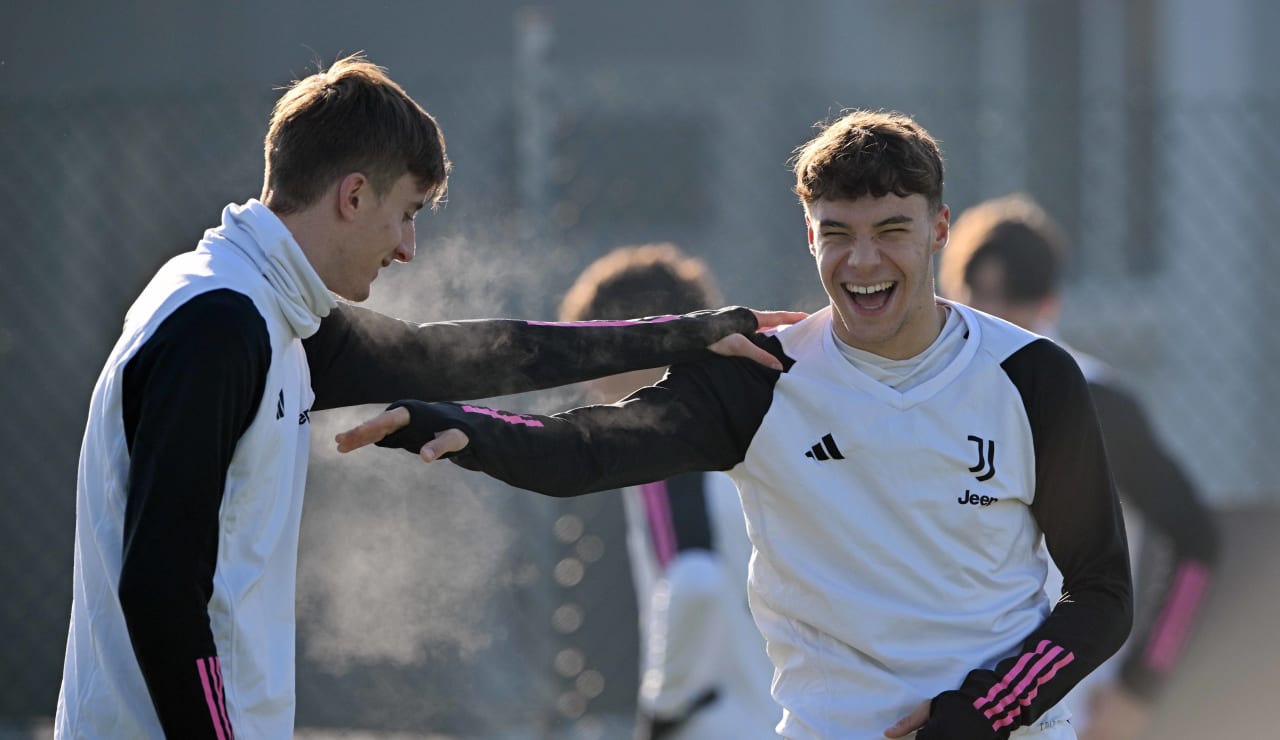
438,602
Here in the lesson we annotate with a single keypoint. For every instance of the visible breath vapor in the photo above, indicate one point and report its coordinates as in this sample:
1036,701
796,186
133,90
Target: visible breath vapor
433,567
457,277
403,562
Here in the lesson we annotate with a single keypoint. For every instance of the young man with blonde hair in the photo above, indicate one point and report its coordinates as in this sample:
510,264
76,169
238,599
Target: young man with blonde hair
194,458
901,476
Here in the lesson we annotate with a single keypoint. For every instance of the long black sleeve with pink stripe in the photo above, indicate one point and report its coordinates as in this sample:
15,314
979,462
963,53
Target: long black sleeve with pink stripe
1084,535
360,356
1179,546
189,393
193,388
704,417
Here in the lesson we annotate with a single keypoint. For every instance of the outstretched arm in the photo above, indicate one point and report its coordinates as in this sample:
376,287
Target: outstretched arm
360,356
700,417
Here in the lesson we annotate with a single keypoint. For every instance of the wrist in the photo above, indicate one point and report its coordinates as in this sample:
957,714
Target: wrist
952,716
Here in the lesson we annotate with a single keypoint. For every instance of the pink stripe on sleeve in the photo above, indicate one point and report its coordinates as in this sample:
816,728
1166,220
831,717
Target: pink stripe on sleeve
222,697
215,711
1034,677
1003,684
657,507
1025,701
629,322
1022,685
1174,623
500,416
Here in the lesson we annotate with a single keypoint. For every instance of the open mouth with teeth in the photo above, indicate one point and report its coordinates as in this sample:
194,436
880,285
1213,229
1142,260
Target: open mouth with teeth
871,298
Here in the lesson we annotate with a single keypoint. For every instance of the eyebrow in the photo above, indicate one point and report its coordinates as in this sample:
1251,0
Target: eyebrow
890,221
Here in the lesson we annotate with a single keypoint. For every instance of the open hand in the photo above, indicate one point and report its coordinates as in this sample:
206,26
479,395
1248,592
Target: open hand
737,345
373,430
376,429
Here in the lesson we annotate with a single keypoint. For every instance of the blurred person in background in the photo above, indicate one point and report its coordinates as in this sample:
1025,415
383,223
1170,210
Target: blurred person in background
704,673
1006,257
194,456
900,478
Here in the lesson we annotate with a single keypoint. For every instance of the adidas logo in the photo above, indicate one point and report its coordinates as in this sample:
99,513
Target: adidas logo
280,405
825,450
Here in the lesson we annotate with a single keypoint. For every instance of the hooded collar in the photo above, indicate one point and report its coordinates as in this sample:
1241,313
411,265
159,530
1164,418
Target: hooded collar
258,235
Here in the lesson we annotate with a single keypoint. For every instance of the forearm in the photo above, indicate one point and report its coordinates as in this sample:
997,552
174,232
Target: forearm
1076,638
582,451
1172,592
1179,542
1174,575
174,647
699,417
359,356
166,579
166,582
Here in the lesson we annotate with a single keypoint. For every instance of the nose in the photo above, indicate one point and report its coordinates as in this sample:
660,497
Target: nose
863,253
407,246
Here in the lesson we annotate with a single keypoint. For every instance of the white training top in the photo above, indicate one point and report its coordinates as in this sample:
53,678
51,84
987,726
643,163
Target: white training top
897,534
251,611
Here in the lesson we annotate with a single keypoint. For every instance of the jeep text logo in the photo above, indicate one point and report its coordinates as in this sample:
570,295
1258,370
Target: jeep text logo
969,498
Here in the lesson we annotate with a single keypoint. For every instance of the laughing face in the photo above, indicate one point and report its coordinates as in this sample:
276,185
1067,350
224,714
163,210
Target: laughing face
875,258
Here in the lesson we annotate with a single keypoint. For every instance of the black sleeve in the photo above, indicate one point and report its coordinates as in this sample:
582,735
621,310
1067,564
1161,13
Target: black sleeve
359,356
1179,546
686,497
189,393
701,416
1077,509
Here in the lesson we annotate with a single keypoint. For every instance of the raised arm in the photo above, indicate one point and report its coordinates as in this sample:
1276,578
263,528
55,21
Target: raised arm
700,417
359,356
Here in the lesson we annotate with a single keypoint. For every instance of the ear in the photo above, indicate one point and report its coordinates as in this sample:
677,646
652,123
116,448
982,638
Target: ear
353,191
1049,309
941,229
808,229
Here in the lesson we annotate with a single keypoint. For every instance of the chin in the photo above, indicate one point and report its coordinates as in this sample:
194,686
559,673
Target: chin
354,296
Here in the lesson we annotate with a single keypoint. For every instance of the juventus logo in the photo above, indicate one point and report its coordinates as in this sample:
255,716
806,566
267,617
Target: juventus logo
986,458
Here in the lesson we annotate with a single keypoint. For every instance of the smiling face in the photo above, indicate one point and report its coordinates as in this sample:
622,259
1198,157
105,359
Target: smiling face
875,258
380,230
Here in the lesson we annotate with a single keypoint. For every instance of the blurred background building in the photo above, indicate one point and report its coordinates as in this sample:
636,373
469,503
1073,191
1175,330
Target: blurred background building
439,603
